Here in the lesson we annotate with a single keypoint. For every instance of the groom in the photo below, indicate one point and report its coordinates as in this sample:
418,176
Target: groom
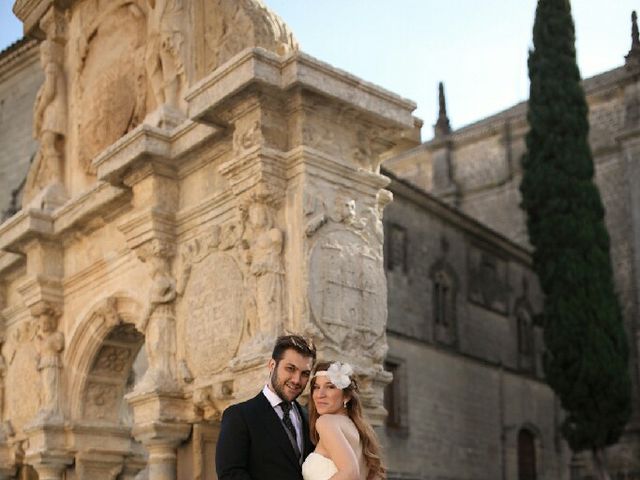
267,437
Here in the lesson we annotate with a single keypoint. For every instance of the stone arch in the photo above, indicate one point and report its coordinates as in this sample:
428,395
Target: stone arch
529,452
102,350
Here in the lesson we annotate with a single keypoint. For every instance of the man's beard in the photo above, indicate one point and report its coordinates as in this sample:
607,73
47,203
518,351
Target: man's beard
278,387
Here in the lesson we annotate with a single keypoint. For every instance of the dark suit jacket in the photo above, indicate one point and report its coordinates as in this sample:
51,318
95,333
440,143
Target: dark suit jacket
253,444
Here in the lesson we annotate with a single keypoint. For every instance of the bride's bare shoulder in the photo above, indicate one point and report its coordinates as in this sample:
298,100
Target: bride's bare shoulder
333,421
328,420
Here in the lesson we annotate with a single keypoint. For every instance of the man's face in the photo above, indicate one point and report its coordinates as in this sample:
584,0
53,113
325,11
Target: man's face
290,375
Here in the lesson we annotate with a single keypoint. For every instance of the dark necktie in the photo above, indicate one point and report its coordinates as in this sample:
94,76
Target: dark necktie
286,419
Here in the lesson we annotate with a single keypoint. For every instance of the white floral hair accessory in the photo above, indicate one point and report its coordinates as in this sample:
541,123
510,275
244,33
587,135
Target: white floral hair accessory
339,374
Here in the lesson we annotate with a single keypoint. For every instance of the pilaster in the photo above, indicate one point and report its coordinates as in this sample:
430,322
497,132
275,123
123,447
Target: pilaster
630,143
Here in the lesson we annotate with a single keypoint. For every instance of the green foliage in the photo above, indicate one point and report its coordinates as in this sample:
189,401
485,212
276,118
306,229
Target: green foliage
586,358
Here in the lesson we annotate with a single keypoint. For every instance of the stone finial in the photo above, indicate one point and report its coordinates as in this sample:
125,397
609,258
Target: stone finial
442,126
633,57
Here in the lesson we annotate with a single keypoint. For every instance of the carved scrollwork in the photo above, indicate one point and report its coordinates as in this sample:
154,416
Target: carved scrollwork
102,401
211,400
248,137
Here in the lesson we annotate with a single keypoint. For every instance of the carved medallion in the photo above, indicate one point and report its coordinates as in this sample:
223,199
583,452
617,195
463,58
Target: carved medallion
212,310
112,83
347,290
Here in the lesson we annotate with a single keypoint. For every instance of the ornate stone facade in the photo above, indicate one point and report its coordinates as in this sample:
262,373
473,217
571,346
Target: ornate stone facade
184,206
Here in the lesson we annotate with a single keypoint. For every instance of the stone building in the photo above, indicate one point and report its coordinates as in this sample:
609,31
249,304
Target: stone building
477,170
135,176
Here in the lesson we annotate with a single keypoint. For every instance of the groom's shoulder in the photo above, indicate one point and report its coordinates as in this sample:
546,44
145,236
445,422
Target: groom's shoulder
247,405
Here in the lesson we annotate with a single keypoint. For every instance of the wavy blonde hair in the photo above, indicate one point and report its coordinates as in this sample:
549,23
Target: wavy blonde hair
368,439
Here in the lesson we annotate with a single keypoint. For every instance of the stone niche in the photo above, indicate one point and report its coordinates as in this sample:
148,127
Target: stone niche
204,188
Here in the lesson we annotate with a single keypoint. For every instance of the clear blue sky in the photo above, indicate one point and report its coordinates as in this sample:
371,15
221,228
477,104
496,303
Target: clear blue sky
477,47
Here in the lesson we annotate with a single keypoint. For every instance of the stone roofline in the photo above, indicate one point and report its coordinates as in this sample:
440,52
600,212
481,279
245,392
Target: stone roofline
16,54
517,114
459,219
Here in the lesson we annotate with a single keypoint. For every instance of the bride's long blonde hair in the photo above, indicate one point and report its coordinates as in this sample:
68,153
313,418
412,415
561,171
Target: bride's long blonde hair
368,438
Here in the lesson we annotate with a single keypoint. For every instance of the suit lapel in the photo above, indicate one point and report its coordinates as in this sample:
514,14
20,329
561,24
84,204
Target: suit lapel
274,427
308,446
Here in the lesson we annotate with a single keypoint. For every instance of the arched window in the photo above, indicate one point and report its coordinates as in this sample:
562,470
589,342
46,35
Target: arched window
526,455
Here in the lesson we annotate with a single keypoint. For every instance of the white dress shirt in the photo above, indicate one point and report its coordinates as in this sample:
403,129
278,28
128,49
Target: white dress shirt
275,402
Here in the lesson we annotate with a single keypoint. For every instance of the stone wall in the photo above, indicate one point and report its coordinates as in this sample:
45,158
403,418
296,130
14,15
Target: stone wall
464,417
20,77
485,165
461,402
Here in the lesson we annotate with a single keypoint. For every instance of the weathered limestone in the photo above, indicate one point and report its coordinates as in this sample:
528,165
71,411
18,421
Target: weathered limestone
200,187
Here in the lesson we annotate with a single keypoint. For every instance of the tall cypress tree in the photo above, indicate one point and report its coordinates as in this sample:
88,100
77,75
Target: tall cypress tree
586,357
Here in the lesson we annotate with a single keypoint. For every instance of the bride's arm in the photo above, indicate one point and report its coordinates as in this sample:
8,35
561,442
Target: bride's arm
338,448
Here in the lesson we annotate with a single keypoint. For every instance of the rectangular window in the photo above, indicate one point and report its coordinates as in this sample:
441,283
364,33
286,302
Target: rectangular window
396,248
396,397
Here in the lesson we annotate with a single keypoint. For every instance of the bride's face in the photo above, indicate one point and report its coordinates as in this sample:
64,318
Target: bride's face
327,398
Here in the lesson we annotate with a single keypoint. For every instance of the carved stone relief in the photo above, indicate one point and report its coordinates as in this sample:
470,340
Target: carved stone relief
230,27
50,115
164,52
339,208
158,320
347,292
110,372
212,311
267,267
101,401
22,399
368,145
110,78
49,344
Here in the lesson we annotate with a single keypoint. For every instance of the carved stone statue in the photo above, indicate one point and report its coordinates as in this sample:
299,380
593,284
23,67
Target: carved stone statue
158,321
49,345
163,57
49,121
267,267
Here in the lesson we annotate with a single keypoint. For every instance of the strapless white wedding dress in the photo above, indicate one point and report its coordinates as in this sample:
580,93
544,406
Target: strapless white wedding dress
318,467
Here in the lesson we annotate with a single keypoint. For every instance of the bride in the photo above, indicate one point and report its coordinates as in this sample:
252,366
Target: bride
346,446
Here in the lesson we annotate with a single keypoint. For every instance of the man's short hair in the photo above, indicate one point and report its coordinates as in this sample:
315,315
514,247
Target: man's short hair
294,342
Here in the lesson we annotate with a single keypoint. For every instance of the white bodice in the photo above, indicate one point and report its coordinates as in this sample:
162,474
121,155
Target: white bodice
318,467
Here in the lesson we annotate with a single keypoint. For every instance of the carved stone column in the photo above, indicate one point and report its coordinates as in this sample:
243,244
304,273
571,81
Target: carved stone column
161,440
98,466
50,464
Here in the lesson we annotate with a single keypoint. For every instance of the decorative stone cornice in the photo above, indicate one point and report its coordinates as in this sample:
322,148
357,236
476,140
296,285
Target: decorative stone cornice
158,415
259,67
18,56
144,226
24,226
32,11
41,290
143,144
